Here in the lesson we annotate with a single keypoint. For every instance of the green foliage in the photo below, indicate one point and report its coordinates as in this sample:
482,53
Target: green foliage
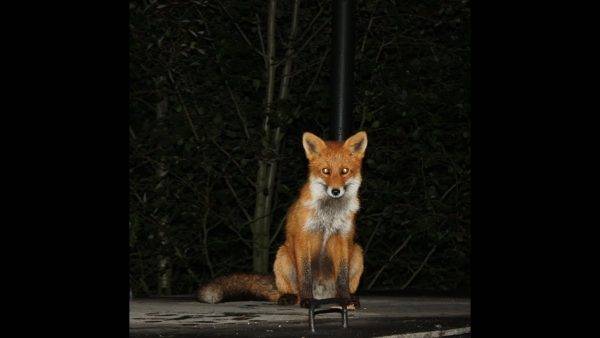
189,61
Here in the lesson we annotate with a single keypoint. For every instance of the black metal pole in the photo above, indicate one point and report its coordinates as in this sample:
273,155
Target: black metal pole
343,63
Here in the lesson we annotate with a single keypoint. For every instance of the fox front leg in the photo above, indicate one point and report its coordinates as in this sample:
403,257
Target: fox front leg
342,282
338,249
305,281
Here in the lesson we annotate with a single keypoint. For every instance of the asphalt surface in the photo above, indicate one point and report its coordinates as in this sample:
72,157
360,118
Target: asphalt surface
378,316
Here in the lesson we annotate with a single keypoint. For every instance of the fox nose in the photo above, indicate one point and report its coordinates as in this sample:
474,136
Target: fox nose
335,192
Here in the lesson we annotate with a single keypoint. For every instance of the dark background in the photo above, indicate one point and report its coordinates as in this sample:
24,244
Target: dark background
65,163
197,107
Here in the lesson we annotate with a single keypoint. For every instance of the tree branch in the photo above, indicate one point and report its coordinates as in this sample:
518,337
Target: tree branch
260,37
420,267
317,73
372,236
240,30
281,223
389,261
237,199
306,42
234,162
237,109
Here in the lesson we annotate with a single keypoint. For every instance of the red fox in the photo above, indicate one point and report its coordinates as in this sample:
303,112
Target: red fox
319,258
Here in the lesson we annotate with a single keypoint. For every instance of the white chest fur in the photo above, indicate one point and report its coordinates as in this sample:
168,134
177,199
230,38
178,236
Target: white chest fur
332,215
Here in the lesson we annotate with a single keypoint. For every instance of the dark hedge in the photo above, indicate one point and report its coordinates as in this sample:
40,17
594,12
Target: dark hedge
197,96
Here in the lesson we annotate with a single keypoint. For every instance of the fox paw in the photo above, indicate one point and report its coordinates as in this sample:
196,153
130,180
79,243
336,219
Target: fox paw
287,299
355,301
351,301
305,302
349,307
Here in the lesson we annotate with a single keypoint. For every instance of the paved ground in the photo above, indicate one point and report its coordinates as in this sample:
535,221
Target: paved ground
378,316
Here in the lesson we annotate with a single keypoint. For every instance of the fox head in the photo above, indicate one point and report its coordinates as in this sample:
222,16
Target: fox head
334,167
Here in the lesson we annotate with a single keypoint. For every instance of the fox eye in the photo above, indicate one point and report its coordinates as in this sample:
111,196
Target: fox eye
345,171
326,171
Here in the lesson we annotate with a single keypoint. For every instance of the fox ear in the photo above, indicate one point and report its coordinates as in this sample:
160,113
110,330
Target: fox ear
357,144
313,145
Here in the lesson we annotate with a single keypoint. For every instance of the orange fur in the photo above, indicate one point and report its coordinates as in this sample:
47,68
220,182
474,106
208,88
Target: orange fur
238,285
319,258
302,246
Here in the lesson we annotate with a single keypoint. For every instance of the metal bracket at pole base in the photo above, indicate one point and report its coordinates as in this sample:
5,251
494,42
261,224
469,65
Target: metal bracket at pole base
315,303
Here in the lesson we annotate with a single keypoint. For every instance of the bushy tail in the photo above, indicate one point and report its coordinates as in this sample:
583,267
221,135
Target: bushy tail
239,285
